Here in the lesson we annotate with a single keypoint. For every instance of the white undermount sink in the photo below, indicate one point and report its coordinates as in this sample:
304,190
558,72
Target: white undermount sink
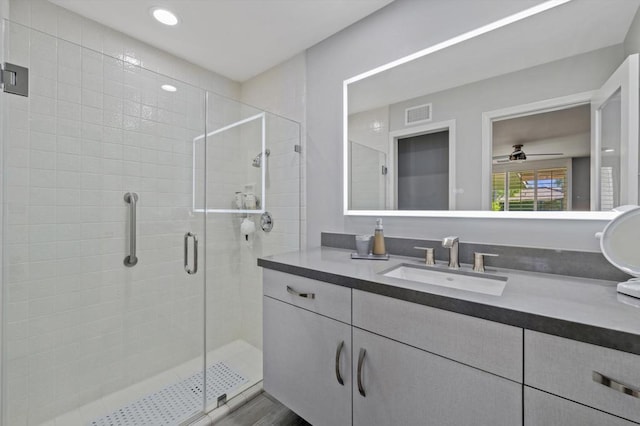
470,281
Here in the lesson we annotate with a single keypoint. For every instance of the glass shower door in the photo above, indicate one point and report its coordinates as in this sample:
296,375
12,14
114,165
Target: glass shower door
90,335
253,210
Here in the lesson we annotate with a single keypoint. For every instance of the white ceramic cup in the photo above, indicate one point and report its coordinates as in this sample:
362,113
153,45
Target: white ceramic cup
363,242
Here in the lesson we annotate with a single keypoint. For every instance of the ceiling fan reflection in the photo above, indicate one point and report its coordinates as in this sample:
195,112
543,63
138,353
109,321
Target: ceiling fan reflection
519,155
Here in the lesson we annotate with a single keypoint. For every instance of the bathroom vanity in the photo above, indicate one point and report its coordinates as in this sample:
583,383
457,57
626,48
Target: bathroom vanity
345,344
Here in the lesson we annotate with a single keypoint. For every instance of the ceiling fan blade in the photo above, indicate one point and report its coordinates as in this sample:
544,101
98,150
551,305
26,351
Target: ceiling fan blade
548,153
500,156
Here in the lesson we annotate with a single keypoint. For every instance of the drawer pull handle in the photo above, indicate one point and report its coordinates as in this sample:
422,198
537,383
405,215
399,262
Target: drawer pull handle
615,385
305,295
338,353
361,356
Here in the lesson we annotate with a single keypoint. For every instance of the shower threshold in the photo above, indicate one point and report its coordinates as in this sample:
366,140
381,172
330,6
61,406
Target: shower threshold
238,363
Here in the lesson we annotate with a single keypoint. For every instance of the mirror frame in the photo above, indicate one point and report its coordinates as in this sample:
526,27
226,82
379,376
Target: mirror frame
479,214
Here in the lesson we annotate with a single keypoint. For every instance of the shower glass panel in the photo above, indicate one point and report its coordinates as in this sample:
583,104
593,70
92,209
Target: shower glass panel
235,237
84,335
611,164
367,178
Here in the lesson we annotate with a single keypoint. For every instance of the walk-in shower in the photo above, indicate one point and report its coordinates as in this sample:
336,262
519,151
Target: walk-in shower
110,185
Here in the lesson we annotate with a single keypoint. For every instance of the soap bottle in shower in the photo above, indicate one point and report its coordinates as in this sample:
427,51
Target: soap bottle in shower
378,239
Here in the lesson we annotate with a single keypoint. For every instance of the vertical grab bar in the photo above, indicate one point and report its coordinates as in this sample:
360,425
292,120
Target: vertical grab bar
131,198
186,253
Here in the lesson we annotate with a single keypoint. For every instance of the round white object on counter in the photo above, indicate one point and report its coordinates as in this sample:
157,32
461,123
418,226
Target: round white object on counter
620,242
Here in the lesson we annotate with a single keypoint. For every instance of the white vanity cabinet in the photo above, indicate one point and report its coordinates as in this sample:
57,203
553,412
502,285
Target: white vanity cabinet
421,366
486,345
397,384
598,377
544,409
338,356
307,351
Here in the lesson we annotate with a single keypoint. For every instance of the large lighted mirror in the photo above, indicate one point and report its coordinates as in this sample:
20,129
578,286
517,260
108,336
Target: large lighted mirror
533,115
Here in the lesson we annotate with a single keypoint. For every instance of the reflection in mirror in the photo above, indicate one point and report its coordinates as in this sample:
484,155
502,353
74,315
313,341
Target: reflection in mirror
611,174
367,187
541,162
545,114
423,172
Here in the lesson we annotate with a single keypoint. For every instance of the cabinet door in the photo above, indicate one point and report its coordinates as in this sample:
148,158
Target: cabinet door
543,409
300,352
407,386
486,345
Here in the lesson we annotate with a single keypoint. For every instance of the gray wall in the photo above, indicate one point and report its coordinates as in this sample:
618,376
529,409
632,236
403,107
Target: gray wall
632,41
403,27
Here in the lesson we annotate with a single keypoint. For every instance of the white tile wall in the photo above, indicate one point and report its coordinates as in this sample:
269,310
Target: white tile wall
79,324
282,90
282,201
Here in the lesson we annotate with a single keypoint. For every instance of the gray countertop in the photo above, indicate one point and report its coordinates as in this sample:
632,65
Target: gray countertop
582,309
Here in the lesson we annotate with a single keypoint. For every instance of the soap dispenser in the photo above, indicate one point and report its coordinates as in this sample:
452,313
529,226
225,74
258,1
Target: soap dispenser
378,239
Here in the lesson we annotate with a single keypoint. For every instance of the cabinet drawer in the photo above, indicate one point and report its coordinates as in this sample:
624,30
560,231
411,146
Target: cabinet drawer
488,345
543,409
566,368
328,299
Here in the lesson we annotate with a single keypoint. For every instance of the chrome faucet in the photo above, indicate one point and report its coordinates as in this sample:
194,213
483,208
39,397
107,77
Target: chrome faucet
452,244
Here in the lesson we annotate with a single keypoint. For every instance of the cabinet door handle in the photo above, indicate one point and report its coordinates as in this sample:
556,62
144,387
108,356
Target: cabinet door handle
305,295
361,356
615,385
338,353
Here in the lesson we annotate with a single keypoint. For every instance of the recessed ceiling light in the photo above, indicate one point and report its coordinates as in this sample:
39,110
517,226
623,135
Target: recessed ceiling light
168,88
164,16
608,150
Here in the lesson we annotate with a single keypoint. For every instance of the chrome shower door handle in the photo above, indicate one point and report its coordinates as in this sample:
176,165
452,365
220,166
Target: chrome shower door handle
186,253
131,198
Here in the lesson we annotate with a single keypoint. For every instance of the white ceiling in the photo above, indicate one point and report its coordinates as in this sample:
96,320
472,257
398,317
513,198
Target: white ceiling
565,131
570,29
537,127
235,38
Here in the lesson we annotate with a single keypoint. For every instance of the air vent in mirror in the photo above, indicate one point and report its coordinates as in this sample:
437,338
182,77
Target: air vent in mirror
417,114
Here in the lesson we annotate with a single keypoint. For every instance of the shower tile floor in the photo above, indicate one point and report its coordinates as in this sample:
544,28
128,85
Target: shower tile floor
238,355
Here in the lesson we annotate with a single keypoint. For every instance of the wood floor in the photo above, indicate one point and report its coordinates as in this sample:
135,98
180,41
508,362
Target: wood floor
263,410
